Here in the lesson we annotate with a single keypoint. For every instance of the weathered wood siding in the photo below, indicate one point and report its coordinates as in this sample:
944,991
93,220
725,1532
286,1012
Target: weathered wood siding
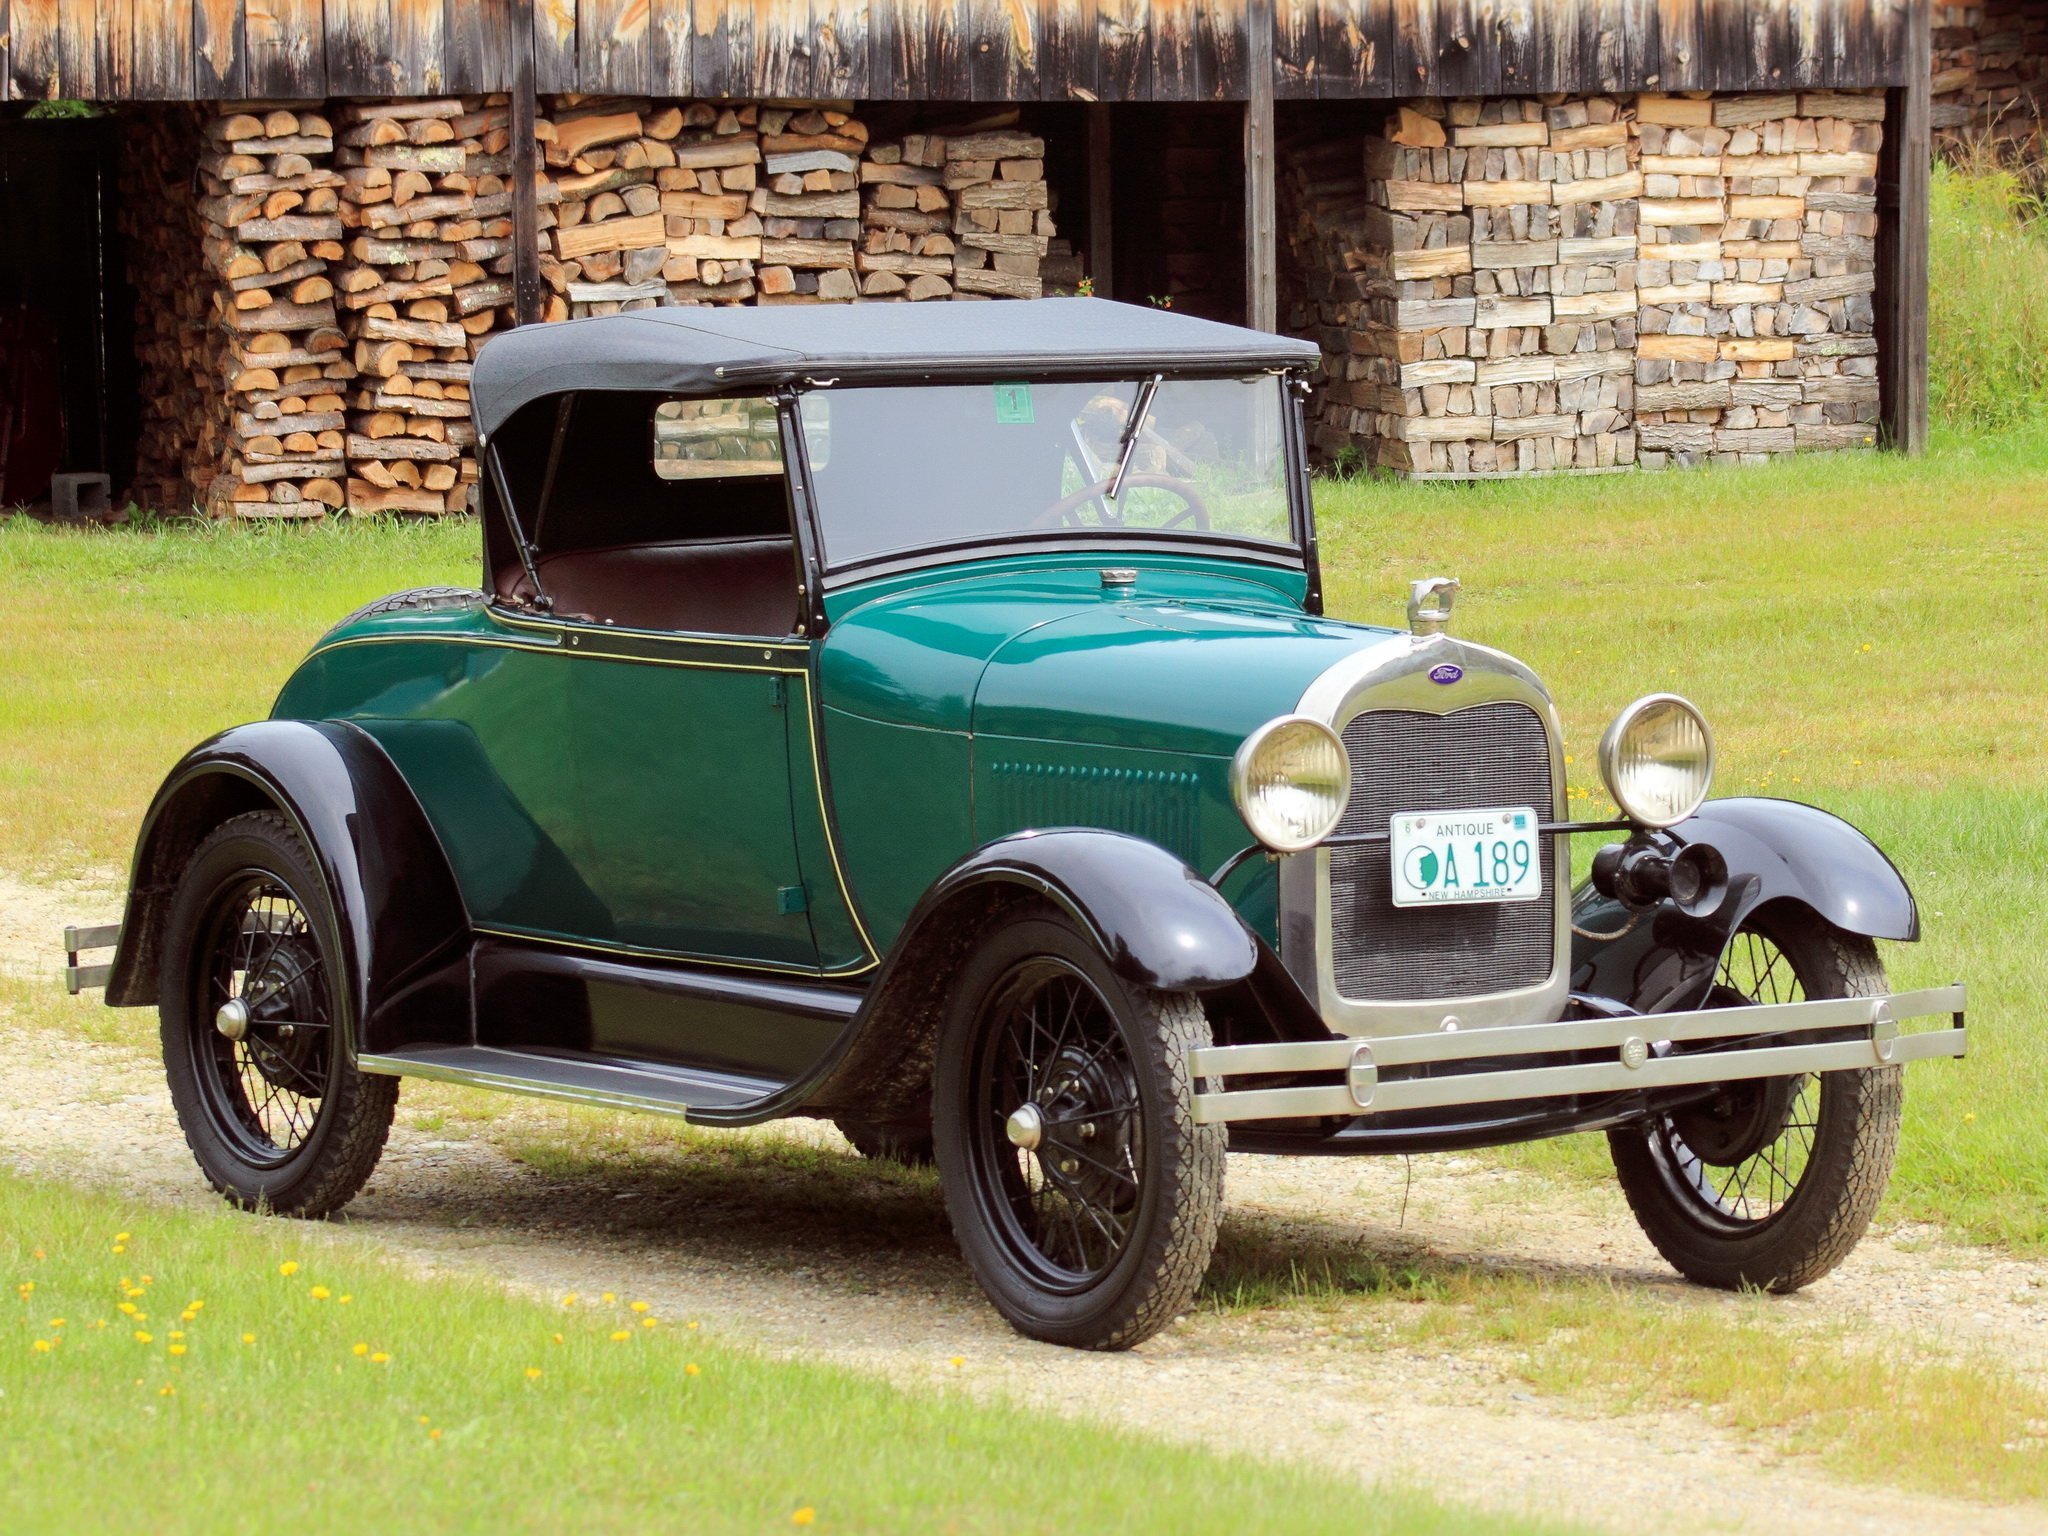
942,50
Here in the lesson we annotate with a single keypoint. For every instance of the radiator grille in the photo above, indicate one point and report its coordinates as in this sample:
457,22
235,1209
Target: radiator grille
1488,755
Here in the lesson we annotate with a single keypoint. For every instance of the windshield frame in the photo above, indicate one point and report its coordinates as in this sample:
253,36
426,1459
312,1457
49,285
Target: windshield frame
1297,554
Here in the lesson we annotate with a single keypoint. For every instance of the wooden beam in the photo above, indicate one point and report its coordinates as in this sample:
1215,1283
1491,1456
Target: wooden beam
526,292
1902,269
1101,200
1261,298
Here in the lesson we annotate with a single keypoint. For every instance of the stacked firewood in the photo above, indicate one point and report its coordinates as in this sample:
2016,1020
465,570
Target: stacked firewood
1002,212
427,225
272,233
1990,68
1758,275
1501,304
1329,226
172,312
907,242
810,204
607,247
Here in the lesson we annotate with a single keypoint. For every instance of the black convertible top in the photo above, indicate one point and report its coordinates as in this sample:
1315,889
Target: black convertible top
709,351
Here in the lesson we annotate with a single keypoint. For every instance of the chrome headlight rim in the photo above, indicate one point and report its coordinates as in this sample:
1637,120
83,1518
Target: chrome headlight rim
1244,760
1615,737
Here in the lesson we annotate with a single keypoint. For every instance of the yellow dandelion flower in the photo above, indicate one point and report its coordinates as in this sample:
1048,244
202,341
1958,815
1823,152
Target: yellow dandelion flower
194,1306
122,1237
691,1369
177,1349
167,1390
42,1346
380,1358
622,1335
1866,645
288,1268
425,1420
639,1306
248,1338
534,1373
143,1338
608,1296
56,1322
648,1322
691,1326
342,1301
1969,1117
177,1333
128,1308
569,1300
26,1289
361,1350
433,1434
147,1280
319,1293
39,1255
957,1361
558,1338
803,1516
120,1248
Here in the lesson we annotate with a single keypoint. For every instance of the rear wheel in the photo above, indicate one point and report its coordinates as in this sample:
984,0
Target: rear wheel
1773,1181
1084,1195
251,1011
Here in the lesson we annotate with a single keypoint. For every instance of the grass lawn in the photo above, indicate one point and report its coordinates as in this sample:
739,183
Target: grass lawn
171,1371
1863,632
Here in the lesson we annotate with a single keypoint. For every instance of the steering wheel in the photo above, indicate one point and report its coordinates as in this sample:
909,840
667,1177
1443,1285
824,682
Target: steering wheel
1062,513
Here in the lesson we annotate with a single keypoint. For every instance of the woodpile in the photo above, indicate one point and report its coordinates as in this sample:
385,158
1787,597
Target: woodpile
1990,68
427,275
270,235
1516,286
173,314
956,215
1500,317
1758,270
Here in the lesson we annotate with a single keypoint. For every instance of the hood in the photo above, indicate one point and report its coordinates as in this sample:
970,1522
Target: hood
1189,659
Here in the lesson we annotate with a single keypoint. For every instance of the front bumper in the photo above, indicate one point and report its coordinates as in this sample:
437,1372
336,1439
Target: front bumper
1648,1052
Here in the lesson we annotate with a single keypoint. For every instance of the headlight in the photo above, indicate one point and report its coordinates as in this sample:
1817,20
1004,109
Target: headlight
1658,759
1291,780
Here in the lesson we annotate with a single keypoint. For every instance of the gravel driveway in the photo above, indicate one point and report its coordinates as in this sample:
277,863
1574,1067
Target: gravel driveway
866,1275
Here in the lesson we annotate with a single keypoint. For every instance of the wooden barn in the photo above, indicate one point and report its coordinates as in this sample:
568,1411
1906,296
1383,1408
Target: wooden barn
1528,235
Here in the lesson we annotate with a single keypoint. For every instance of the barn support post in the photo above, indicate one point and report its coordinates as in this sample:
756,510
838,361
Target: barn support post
1101,202
1261,297
526,299
1902,245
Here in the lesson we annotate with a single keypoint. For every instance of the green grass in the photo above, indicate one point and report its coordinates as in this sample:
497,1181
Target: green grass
382,1401
126,647
1988,302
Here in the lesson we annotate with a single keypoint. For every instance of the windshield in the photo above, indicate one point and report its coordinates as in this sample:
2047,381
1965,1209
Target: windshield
898,469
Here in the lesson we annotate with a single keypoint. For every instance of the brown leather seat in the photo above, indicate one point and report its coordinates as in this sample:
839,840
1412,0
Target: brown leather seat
716,587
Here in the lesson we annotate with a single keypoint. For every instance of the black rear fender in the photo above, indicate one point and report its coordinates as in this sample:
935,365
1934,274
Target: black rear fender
400,927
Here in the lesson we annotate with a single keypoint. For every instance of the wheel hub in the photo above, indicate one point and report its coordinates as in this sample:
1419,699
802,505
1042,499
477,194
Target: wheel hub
233,1019
1078,1141
1026,1127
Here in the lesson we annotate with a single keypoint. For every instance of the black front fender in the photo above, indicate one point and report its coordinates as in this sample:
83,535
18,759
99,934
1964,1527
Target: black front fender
400,927
1776,851
1158,922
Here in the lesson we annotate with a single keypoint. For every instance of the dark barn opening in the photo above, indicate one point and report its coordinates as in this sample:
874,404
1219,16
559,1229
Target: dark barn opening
70,388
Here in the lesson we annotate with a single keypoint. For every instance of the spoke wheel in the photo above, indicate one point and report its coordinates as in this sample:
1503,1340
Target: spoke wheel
1058,1127
1770,1182
1084,1196
263,987
253,1021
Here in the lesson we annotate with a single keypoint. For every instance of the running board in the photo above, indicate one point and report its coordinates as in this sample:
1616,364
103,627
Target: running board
644,1086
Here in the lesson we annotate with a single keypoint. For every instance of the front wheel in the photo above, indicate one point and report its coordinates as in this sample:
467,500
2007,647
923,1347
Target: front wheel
1773,1181
276,1114
1084,1195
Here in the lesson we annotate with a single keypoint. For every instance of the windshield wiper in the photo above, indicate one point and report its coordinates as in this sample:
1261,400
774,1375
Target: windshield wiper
1140,409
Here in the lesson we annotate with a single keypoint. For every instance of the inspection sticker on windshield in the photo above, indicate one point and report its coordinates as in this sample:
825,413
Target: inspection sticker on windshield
1013,405
1439,857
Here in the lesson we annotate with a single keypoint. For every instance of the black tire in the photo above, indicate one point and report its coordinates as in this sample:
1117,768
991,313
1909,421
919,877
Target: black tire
1098,1233
908,1145
278,1118
1821,1145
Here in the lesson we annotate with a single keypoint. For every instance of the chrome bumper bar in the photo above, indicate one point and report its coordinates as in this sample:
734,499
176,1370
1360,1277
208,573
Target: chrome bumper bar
1640,1042
79,978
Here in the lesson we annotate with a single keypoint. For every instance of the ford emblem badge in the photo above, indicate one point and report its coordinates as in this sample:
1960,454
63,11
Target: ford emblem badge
1446,674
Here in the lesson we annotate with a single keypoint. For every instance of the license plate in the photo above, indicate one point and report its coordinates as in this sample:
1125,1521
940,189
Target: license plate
1458,856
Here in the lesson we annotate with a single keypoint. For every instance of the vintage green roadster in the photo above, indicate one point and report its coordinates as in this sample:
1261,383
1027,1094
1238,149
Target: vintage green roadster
924,718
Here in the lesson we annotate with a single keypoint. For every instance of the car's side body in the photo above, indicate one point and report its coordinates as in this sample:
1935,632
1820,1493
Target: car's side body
727,874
